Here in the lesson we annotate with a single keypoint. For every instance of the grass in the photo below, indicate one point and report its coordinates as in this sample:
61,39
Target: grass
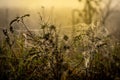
51,57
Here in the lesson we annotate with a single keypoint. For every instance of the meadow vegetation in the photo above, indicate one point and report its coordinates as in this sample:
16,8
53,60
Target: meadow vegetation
89,54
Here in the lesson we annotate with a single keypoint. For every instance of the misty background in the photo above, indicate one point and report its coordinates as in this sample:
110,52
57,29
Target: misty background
58,12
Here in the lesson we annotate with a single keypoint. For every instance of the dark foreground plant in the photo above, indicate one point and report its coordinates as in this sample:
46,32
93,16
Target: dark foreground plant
48,56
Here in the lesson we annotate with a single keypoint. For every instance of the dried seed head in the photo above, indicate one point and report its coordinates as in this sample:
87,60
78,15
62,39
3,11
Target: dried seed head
26,15
5,32
52,27
65,37
11,29
43,26
46,36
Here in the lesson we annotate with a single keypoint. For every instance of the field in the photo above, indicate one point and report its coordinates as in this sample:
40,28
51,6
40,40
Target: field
60,44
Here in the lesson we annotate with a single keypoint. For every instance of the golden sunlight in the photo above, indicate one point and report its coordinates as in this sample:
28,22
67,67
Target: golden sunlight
39,3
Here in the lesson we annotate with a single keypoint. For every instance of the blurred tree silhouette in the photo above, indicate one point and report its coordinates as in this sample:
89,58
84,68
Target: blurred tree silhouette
91,8
87,15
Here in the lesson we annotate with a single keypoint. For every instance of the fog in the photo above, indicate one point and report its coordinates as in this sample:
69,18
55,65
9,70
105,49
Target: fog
39,3
58,12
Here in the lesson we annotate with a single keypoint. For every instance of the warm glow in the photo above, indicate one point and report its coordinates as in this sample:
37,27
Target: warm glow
39,3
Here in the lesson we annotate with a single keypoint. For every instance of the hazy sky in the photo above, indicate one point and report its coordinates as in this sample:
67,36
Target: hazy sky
39,3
